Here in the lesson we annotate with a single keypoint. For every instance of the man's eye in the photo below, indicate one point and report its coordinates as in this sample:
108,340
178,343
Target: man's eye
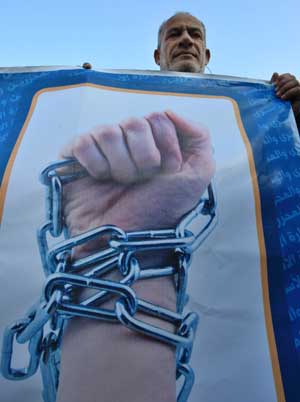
173,34
196,35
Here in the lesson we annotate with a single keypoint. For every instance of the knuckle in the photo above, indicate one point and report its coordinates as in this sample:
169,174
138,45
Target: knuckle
81,144
162,128
154,115
134,125
289,77
108,134
157,118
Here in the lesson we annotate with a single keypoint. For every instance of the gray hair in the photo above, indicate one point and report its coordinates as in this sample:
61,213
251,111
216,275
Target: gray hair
180,13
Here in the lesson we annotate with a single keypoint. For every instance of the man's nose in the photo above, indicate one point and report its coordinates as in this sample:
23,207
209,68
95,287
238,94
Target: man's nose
185,39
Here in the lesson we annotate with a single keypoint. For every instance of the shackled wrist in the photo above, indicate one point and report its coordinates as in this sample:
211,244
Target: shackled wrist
167,256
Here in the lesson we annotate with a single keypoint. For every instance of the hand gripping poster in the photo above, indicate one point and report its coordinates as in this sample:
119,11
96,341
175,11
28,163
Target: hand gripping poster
149,238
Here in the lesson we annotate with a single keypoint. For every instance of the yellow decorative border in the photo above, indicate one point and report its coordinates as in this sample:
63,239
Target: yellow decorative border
263,257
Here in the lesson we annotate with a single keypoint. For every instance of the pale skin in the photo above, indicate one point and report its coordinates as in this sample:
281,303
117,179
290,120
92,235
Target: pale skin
144,173
140,164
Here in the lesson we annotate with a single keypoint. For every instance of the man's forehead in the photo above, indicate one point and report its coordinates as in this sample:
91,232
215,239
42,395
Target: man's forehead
182,21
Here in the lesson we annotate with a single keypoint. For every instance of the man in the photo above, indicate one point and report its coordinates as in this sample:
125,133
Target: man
148,164
182,47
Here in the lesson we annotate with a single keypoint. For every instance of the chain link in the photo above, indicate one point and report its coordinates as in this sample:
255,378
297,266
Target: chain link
64,277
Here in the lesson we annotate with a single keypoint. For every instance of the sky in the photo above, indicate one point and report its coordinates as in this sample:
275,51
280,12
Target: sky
247,39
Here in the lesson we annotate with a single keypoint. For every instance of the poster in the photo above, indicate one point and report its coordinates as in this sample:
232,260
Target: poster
243,281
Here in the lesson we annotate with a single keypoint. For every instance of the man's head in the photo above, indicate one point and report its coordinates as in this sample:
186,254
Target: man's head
182,44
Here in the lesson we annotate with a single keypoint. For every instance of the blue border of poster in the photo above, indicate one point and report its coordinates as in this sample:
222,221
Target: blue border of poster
276,150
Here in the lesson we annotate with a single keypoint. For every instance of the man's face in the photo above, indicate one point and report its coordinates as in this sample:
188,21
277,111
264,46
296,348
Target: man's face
182,46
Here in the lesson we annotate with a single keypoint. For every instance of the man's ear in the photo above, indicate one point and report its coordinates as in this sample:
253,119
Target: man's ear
207,55
157,56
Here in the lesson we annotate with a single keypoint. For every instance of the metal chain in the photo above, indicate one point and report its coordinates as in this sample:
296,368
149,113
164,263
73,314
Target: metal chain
63,278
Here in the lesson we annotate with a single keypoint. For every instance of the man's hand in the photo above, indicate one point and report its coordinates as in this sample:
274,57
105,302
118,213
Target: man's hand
144,173
288,88
87,66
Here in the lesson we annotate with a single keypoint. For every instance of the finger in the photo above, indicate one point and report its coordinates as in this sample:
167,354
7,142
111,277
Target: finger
292,94
287,86
274,77
284,78
195,144
191,135
196,148
85,150
110,140
166,140
142,147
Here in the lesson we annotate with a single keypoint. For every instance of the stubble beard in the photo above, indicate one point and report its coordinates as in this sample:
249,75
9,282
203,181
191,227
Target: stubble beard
186,67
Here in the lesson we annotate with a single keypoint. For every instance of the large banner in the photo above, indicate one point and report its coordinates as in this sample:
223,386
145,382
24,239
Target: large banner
244,279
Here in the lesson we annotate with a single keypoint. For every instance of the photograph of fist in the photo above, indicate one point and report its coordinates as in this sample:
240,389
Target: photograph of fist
143,173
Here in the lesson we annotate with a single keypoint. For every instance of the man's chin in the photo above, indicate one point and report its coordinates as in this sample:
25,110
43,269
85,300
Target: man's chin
186,67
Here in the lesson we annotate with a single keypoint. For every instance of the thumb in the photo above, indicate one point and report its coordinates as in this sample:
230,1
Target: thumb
196,147
188,131
274,77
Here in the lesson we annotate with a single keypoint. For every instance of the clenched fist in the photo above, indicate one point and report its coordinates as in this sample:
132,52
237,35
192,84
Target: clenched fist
144,173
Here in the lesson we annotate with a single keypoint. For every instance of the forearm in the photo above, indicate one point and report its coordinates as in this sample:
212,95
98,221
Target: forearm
107,362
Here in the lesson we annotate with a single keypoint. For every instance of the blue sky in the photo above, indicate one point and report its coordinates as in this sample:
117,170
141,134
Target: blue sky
250,39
